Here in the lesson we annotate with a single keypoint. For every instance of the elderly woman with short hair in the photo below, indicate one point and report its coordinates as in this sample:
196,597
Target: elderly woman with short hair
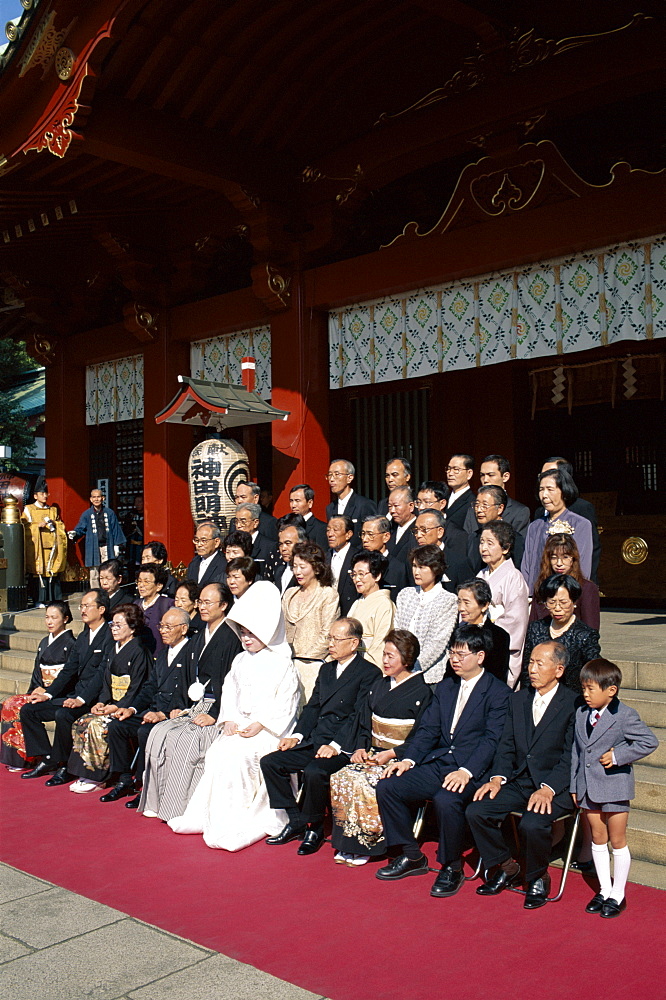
374,608
510,606
428,611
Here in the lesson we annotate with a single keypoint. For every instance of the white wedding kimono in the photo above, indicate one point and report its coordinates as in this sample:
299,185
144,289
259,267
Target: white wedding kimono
230,803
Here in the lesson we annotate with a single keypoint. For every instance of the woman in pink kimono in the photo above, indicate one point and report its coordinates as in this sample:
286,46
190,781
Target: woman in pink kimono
510,606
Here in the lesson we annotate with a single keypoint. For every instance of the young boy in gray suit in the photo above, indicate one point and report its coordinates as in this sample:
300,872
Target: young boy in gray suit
608,738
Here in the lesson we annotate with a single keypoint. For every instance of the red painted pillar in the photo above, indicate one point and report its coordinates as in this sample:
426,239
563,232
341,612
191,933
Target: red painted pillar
300,385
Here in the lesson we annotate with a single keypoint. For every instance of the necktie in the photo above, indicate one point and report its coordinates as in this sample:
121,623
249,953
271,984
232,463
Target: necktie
463,695
537,709
595,719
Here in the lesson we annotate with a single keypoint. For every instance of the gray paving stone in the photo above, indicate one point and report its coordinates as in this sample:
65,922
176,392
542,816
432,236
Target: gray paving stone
224,979
52,916
105,964
11,949
15,884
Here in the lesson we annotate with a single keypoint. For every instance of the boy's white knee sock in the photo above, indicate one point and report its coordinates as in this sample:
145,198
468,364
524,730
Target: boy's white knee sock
601,859
621,866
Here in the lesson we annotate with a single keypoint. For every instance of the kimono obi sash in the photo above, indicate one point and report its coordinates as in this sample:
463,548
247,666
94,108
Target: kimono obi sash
389,733
50,672
119,686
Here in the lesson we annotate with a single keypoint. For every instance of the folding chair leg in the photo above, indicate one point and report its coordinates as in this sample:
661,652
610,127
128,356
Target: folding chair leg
567,860
418,822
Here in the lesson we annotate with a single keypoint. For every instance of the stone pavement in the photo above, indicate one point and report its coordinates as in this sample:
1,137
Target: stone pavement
634,635
58,945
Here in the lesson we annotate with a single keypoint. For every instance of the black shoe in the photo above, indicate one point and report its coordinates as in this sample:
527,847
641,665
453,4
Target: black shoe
61,777
312,841
44,767
289,832
612,908
402,867
447,882
133,803
584,867
596,904
537,893
119,791
499,881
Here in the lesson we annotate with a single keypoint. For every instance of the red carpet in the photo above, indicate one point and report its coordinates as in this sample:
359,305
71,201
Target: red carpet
332,930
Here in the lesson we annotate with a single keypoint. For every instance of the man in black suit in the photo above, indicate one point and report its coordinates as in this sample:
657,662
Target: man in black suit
340,477
289,534
249,493
444,760
301,499
459,471
578,506
433,528
342,549
398,473
375,537
209,564
73,693
130,727
340,690
247,519
531,772
401,508
496,471
490,505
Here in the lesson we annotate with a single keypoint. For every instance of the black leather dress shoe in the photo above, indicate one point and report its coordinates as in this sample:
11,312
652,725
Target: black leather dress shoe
44,767
119,791
312,841
402,867
447,882
499,881
61,777
612,908
285,835
133,803
537,893
596,904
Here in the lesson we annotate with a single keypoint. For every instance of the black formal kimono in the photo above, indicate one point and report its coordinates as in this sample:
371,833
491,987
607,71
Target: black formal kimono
384,722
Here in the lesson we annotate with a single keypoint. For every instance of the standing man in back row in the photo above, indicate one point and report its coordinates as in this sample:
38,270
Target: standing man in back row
345,501
301,499
398,473
247,492
496,471
459,471
103,535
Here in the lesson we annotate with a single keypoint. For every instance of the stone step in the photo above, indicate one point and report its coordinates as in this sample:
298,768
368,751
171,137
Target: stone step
646,836
658,758
642,675
650,705
13,682
11,639
650,788
648,873
17,660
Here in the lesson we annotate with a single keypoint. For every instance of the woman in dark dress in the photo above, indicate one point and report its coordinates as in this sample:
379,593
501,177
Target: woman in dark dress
392,710
52,653
559,593
560,555
474,599
125,673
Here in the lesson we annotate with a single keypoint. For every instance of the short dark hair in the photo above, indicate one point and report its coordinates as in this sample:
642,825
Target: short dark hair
377,563
349,524
63,608
601,672
132,614
500,461
158,572
496,492
192,587
441,490
101,599
406,464
300,531
113,566
556,461
308,492
407,645
563,480
158,551
480,588
504,532
291,520
472,636
550,587
430,556
313,554
241,539
468,460
245,565
354,627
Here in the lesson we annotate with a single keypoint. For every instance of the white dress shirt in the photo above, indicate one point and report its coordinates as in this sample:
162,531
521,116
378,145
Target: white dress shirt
342,504
337,559
203,566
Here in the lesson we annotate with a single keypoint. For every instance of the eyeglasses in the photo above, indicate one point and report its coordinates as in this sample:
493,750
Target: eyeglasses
359,574
208,604
117,624
454,468
485,506
459,654
201,541
554,603
168,628
84,607
371,534
332,640
336,475
424,531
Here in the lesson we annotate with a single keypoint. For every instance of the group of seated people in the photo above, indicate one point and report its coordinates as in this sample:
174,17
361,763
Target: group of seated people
409,685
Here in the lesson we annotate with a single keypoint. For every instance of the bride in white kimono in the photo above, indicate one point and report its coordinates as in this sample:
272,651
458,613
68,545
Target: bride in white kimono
260,697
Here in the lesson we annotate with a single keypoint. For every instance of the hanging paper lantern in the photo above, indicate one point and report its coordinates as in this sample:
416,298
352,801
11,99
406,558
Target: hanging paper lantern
214,470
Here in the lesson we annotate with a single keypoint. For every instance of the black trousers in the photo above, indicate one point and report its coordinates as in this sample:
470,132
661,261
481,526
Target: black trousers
277,768
536,830
124,738
37,742
398,796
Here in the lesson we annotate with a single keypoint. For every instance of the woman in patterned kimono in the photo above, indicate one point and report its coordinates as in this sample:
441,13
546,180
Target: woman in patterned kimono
392,710
125,674
52,653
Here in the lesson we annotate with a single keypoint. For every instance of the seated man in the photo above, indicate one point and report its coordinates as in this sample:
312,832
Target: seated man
444,760
156,701
339,692
531,773
71,695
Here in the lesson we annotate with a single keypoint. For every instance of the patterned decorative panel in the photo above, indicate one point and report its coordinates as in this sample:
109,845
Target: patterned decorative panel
219,358
552,307
114,391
